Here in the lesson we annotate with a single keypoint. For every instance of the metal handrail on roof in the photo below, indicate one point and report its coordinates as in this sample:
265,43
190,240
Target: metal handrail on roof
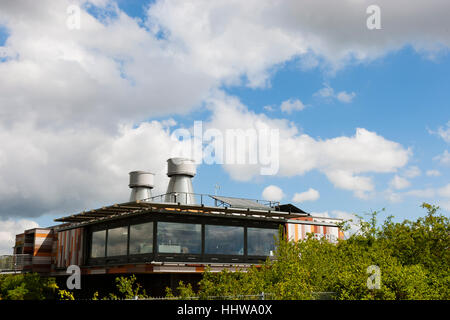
144,206
207,199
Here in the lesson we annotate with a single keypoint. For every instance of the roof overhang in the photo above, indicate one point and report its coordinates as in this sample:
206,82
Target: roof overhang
131,208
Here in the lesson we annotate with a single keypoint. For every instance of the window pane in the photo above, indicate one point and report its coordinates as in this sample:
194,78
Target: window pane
117,242
179,238
260,242
98,244
141,238
224,240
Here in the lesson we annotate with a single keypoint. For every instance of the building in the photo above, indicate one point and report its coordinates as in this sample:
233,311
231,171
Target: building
165,238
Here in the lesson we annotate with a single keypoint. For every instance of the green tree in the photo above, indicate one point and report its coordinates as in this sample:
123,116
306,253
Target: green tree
26,286
412,256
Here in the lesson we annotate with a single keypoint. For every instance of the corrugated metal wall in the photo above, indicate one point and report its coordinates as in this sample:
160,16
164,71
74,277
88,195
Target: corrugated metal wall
69,248
298,232
42,250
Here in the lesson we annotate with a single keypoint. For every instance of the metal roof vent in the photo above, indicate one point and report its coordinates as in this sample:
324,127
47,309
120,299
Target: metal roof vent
141,184
181,171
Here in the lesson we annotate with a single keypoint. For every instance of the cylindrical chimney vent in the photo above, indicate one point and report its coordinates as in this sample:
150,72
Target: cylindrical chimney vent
180,171
141,184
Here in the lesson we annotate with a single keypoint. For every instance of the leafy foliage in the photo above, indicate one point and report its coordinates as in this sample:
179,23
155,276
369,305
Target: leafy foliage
413,258
127,288
27,286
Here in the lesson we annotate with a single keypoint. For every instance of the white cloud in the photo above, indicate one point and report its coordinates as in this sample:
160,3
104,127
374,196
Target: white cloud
69,98
392,196
345,97
329,94
443,158
444,191
342,159
269,108
399,183
8,230
325,92
412,172
224,32
64,170
433,173
421,193
440,194
310,195
116,70
292,105
272,193
348,181
443,132
68,170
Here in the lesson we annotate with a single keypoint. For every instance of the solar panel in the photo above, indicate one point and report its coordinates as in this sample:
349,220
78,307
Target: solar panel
241,203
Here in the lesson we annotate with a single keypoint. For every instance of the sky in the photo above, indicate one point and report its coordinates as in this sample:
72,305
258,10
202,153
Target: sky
356,102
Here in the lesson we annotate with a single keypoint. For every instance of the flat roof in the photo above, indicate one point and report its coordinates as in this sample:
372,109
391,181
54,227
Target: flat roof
128,208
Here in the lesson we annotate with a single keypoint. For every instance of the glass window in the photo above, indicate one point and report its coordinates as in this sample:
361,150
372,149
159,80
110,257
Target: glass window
98,244
261,242
224,240
141,238
179,238
117,242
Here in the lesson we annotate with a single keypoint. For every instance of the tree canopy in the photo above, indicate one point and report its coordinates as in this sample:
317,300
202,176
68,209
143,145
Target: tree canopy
411,259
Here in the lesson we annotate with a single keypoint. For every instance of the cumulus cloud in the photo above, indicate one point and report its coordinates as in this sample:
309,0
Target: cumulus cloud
443,159
444,191
345,97
75,170
272,193
443,132
433,173
235,35
108,71
290,105
72,102
399,183
310,195
441,195
412,172
329,94
344,160
8,230
116,68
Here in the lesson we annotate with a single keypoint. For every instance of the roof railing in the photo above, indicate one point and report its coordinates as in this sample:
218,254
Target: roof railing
206,199
14,262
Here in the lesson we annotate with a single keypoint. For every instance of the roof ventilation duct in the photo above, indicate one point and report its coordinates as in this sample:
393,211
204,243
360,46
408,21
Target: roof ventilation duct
181,171
141,184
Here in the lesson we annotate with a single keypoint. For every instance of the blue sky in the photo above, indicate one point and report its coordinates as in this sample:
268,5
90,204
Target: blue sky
81,108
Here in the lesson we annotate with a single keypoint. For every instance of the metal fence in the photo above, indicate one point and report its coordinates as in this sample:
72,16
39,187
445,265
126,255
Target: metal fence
203,199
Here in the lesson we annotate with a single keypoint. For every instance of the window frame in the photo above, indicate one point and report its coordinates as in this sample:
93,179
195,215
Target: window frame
155,218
